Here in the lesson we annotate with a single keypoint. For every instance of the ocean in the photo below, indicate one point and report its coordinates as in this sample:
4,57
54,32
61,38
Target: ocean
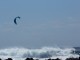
41,53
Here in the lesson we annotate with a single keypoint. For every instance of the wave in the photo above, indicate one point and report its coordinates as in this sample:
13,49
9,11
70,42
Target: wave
45,52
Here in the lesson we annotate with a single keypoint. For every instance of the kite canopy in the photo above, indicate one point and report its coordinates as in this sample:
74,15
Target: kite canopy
16,19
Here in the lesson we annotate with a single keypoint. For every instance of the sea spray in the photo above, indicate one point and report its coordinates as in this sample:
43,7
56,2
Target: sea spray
45,52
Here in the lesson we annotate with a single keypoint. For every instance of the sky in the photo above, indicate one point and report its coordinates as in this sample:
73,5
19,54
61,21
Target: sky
42,23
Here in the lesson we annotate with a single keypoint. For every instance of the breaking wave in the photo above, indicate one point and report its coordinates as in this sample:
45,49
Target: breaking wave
44,52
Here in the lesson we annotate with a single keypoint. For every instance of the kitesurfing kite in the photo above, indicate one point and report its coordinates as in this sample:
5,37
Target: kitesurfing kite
16,19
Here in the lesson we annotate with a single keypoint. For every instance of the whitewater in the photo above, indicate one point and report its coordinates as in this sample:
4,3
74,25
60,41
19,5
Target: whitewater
41,53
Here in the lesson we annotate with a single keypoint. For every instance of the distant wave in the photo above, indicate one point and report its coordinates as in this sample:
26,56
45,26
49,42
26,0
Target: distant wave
44,52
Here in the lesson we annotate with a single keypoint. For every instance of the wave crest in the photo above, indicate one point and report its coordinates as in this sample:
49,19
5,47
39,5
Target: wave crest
44,52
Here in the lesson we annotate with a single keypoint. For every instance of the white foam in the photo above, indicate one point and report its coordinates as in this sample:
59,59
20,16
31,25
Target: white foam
45,52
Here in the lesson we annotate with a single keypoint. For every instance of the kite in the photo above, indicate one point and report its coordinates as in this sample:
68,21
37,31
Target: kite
16,19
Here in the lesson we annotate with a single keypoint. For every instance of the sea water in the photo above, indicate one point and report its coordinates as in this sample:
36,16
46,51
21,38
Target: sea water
41,53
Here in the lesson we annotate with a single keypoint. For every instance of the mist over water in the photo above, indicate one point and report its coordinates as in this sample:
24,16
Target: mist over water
45,52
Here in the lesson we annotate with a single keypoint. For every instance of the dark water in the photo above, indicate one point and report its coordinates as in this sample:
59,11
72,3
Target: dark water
77,50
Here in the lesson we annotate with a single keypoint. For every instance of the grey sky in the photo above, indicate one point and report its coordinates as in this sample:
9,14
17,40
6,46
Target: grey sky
42,23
